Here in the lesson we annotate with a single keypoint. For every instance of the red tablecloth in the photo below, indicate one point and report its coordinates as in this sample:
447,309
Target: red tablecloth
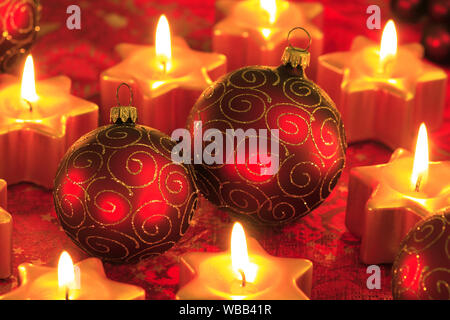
320,236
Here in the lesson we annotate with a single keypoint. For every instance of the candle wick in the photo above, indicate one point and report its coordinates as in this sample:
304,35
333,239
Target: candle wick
244,282
164,65
30,106
418,183
67,293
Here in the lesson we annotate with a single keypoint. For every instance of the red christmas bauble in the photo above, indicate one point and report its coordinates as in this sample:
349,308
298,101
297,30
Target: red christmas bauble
439,11
436,40
408,10
311,142
119,196
421,270
20,19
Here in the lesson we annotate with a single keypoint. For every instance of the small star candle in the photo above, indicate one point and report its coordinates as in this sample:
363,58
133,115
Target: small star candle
383,93
5,235
385,201
253,32
84,281
166,79
38,122
243,274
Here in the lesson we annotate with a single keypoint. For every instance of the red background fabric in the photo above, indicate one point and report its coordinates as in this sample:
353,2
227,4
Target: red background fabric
321,236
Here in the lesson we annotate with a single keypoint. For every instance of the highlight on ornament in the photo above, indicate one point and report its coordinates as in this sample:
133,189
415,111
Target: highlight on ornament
240,147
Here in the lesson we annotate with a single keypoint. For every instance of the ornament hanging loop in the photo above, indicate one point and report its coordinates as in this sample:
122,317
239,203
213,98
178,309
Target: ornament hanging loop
296,56
123,114
130,103
307,33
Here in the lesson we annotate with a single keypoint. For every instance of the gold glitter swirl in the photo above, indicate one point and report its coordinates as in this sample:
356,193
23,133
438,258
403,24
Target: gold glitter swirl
207,183
173,182
84,164
289,120
299,178
69,207
108,207
248,78
282,208
188,213
150,252
427,235
247,198
212,95
331,177
246,106
326,132
110,244
141,167
160,143
118,137
152,223
435,284
302,92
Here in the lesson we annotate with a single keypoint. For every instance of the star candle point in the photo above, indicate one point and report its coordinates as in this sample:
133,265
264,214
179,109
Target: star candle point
382,206
34,277
153,84
295,283
385,196
310,15
248,36
48,125
163,89
385,104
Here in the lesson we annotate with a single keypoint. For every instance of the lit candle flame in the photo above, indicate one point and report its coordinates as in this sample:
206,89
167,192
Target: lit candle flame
388,46
420,167
266,32
66,272
270,6
28,88
163,46
239,255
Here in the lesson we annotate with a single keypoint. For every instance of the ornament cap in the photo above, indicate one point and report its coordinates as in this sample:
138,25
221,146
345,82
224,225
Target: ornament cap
123,114
296,56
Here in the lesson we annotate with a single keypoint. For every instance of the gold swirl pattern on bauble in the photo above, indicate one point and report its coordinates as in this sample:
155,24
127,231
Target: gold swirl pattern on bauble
311,143
119,196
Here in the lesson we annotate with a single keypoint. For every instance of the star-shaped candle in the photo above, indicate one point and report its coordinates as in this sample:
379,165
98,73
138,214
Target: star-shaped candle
254,32
385,201
243,275
167,79
84,281
382,92
38,122
5,234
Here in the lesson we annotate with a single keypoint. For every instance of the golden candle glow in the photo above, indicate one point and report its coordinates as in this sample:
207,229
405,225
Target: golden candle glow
388,46
266,32
239,255
420,167
163,45
66,271
270,6
28,88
